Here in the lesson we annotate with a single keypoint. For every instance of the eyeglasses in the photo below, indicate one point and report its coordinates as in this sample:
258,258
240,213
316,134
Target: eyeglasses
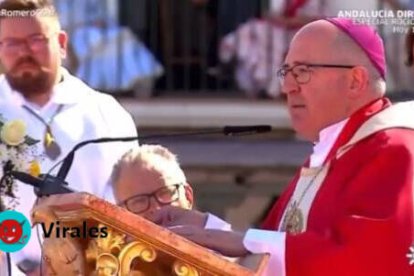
302,73
140,203
36,43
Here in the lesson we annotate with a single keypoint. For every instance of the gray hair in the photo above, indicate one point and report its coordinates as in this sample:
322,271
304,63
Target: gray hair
153,157
351,51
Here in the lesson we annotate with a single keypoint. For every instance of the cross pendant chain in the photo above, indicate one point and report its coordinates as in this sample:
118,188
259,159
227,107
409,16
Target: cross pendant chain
52,148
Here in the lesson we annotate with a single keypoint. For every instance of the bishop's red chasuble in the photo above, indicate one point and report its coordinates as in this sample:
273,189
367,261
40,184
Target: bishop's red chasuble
354,215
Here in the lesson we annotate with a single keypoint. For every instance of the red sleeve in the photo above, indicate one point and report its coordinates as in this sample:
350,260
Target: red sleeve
374,234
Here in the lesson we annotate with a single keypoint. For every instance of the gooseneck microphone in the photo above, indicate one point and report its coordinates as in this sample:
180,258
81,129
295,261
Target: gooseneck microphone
49,184
227,130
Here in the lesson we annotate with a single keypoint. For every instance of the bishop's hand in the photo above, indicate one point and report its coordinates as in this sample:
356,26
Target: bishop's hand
227,243
169,216
190,225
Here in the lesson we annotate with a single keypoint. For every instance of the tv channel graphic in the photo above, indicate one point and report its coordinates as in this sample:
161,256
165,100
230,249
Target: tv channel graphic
15,231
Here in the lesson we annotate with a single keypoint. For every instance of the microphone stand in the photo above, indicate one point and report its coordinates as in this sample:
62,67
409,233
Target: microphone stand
227,131
48,184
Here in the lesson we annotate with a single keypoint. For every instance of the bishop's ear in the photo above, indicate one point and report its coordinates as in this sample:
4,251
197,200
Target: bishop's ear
358,80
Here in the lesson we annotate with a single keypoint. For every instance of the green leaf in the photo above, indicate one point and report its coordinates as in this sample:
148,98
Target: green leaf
30,141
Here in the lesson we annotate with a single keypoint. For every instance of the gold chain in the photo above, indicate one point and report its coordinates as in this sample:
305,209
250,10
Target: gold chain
309,185
52,148
293,211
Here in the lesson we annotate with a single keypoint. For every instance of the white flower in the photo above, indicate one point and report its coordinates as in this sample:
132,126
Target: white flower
3,151
19,152
13,132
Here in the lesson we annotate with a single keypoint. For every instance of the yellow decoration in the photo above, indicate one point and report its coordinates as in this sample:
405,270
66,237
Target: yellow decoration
34,168
48,139
182,269
13,132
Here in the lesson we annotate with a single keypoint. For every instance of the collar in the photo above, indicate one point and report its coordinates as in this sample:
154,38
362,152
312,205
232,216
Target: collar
69,91
337,135
327,138
395,116
356,121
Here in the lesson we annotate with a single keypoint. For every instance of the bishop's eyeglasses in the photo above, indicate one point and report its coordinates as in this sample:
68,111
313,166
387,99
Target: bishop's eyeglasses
302,72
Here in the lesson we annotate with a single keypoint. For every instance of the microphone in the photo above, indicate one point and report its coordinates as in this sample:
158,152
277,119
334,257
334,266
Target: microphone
227,130
27,178
245,130
44,185
48,184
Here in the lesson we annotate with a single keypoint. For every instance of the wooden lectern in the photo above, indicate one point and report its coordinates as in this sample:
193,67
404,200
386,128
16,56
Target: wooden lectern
90,236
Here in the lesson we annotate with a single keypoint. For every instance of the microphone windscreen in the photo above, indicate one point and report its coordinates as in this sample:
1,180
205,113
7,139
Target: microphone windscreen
231,130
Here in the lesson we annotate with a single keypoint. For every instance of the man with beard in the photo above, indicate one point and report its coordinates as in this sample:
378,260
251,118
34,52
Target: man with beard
59,109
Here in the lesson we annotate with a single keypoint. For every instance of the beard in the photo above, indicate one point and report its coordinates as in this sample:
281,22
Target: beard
37,80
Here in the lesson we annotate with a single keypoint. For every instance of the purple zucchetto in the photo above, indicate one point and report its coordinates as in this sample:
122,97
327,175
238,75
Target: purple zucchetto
365,37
